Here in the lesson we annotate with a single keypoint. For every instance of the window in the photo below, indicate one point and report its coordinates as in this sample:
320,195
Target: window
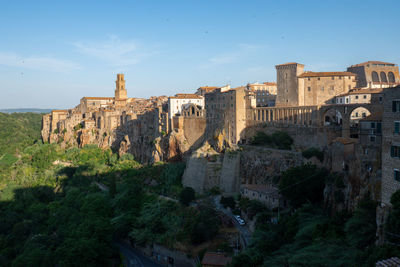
309,88
372,125
333,78
397,127
357,114
372,138
391,77
308,78
396,175
319,78
347,100
364,114
396,106
375,77
380,99
356,96
340,77
395,151
365,96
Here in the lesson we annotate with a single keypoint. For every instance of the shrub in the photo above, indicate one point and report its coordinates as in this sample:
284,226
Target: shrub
313,152
278,139
78,126
302,184
228,202
186,196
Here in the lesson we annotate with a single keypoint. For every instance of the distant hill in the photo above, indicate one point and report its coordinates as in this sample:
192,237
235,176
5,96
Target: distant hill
17,131
24,110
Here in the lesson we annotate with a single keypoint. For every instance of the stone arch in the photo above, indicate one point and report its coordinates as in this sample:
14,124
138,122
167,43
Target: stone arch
358,113
391,77
383,77
333,117
375,77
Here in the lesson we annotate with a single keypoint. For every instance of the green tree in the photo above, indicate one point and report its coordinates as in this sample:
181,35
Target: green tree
186,196
302,184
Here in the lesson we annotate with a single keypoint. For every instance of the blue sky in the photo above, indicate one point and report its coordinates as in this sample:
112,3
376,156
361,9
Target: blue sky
52,53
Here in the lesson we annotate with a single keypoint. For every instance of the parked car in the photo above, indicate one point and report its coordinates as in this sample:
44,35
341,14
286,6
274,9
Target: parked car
239,220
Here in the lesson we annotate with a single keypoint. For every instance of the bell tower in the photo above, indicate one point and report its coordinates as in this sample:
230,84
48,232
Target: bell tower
120,90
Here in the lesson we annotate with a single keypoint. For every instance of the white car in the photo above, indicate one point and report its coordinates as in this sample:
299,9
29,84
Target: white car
240,220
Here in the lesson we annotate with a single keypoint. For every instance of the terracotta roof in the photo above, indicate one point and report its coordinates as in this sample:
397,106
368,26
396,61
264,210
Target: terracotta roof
98,98
186,96
289,63
215,259
208,88
325,74
372,62
377,116
363,92
345,140
270,83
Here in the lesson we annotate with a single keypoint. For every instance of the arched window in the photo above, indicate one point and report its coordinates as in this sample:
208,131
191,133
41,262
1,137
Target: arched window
375,77
391,77
383,77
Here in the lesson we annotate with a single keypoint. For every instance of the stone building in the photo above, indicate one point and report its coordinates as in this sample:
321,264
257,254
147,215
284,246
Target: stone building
229,111
376,74
299,88
177,102
266,194
320,88
265,93
360,96
390,143
287,83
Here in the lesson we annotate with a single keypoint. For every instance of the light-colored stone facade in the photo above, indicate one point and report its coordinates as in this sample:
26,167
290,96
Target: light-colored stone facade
376,74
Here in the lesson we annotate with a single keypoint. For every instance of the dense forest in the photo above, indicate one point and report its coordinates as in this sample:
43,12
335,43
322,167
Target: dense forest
66,207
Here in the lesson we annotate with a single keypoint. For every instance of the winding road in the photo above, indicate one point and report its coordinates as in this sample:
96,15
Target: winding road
133,257
243,230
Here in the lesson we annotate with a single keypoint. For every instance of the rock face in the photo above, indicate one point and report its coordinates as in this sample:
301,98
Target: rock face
258,165
207,168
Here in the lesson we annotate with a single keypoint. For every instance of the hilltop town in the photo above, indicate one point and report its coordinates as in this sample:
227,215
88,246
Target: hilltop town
352,117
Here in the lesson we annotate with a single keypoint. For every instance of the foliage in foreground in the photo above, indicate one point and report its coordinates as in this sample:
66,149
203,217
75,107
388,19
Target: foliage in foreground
52,212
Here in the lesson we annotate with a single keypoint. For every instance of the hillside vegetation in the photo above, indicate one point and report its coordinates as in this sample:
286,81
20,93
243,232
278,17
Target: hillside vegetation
17,131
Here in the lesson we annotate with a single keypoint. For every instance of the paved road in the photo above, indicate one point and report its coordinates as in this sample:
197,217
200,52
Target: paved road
243,230
133,258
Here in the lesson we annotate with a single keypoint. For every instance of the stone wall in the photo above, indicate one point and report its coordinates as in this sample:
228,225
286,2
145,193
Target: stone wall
303,137
258,164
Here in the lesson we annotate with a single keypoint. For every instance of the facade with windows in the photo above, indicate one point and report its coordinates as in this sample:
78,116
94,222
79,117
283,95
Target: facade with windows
371,129
390,143
177,102
297,87
376,74
360,96
229,110
266,194
265,93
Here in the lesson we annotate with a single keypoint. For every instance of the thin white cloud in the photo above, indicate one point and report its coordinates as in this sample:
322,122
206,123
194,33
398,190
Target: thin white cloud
114,51
37,62
239,52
